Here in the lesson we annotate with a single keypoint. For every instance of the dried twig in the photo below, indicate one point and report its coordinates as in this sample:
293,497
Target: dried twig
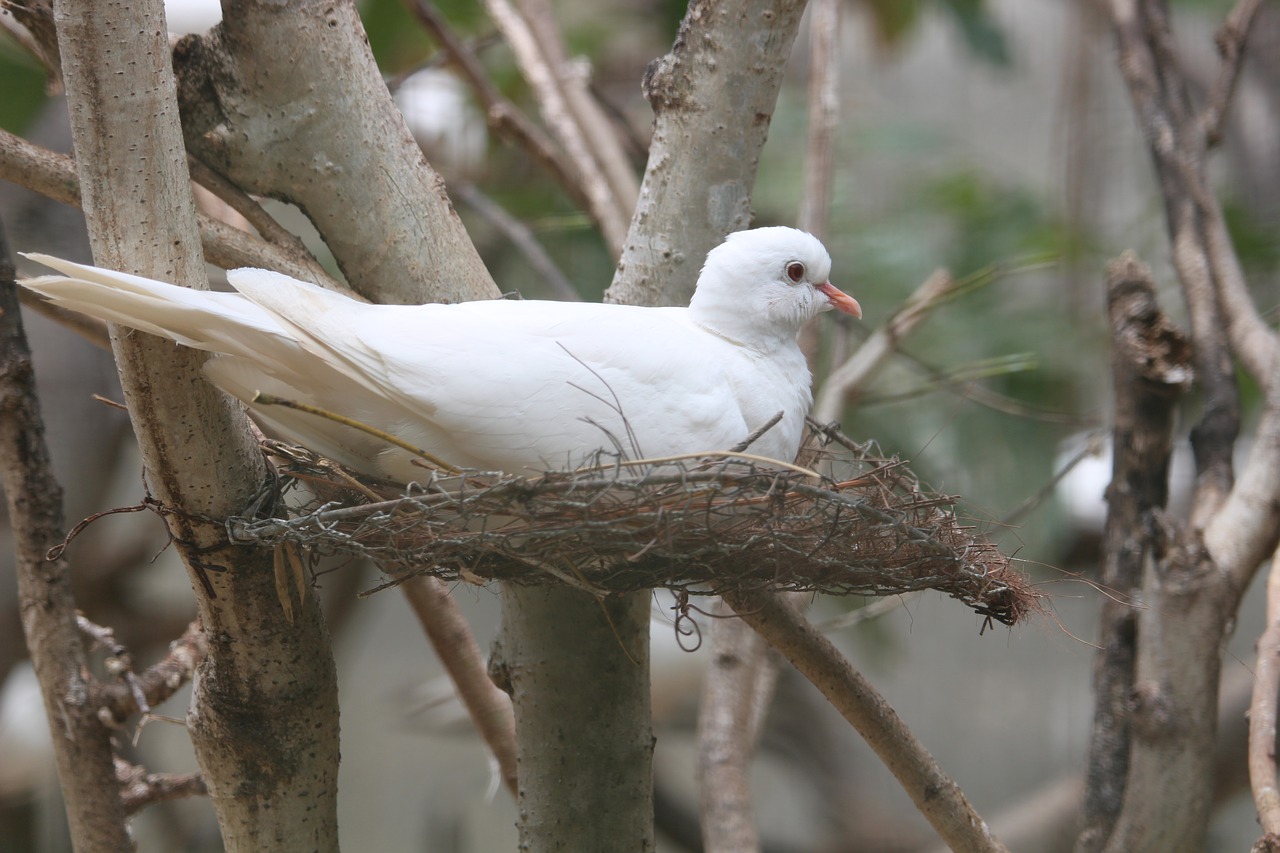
1262,712
702,526
937,797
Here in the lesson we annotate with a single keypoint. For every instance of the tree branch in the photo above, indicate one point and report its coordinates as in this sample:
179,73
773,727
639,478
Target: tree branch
936,796
504,117
139,789
713,96
549,83
54,176
824,116
1150,369
263,672
81,744
451,637
735,695
847,380
578,670
254,113
1177,143
1262,712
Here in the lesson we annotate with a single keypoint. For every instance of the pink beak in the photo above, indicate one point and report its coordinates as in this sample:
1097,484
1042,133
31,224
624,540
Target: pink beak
841,300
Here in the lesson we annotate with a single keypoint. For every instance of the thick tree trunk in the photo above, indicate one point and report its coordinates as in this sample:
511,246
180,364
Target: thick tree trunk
264,719
578,672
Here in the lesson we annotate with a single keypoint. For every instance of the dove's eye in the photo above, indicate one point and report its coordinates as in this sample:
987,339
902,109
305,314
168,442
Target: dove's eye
795,271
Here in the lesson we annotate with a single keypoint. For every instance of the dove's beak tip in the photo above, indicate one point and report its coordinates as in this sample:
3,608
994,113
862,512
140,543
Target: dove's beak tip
841,300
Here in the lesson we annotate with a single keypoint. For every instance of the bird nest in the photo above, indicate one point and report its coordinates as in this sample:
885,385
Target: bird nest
704,526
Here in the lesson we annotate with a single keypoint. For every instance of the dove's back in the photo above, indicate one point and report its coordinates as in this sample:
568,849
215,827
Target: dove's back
499,384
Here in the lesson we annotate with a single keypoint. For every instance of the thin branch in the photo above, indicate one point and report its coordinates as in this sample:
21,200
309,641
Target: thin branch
519,235
1247,527
505,118
824,78
268,228
456,647
54,176
139,789
850,378
1262,712
1231,39
158,682
591,120
603,206
935,794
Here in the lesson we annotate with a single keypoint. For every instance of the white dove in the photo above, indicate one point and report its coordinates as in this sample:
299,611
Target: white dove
509,385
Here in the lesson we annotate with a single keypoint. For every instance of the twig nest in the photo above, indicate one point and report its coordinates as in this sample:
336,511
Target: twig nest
706,526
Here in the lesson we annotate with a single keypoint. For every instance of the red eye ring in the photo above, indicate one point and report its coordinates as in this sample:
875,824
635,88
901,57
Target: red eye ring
795,271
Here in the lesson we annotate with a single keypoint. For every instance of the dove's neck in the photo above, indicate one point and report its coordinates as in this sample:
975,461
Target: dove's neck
725,309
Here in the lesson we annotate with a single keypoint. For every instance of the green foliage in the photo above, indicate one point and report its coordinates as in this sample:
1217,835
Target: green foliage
1256,242
23,85
896,20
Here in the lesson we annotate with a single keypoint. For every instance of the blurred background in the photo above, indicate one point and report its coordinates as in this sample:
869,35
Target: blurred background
990,137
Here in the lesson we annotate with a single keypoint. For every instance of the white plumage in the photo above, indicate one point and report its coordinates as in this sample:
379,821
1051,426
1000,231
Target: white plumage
506,385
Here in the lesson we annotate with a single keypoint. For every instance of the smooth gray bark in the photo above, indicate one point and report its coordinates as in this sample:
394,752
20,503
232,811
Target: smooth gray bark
264,716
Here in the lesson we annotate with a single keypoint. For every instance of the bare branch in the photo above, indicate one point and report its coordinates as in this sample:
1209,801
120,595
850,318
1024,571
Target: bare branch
1246,529
1231,39
272,232
846,381
139,789
54,176
1150,367
81,744
608,211
1262,712
573,79
504,117
162,679
1177,143
739,682
937,797
451,637
824,115
520,236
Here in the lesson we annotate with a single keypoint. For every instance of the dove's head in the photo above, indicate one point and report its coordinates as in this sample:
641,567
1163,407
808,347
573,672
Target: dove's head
764,284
